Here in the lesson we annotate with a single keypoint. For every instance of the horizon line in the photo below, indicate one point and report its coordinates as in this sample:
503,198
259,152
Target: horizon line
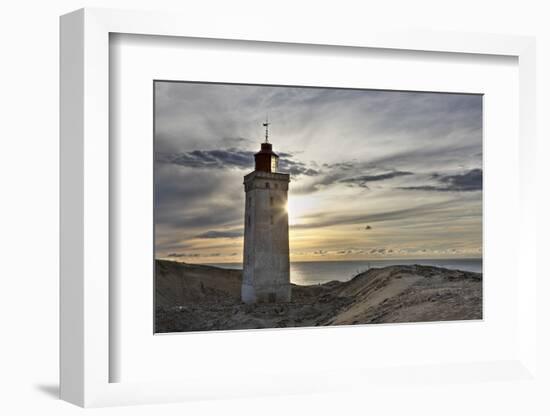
331,260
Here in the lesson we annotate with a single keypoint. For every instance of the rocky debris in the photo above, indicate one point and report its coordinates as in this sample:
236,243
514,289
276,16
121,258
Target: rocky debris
204,298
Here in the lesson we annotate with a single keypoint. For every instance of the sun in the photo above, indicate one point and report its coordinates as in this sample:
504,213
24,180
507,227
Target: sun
298,207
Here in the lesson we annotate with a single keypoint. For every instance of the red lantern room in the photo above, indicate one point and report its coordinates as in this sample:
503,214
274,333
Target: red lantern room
266,159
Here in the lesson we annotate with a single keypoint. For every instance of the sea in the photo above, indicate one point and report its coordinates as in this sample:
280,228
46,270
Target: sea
315,272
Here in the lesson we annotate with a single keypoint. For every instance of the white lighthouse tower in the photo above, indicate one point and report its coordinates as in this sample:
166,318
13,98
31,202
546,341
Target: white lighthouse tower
266,268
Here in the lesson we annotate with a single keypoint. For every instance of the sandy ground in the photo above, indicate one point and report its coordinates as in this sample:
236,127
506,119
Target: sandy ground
201,298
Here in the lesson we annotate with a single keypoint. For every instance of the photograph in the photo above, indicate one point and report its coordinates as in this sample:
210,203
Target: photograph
295,206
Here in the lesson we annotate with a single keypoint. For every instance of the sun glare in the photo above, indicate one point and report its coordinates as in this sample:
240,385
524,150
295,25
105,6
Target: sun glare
298,207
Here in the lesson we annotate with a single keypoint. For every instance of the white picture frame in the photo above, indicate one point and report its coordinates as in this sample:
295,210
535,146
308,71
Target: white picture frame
85,212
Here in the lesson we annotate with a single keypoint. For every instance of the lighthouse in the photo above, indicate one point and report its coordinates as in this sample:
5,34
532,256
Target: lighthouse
266,265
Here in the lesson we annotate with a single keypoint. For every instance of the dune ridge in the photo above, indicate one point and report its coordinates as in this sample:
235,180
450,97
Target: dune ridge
192,297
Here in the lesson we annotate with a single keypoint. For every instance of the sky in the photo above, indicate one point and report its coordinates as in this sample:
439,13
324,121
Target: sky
374,174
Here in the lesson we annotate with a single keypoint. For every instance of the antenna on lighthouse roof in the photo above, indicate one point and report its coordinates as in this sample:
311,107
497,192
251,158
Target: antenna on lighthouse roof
266,125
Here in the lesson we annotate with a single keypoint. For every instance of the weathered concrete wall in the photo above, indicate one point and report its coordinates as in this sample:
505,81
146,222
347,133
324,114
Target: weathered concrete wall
266,265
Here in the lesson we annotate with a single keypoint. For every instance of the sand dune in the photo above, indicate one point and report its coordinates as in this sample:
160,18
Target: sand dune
198,298
180,284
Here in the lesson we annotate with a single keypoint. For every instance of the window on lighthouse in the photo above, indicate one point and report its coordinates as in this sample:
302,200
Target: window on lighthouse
274,163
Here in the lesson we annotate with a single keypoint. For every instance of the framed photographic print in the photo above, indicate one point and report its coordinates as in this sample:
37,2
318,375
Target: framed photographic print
358,206
270,212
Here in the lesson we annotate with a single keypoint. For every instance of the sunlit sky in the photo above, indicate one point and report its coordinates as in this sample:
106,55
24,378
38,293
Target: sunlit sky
374,174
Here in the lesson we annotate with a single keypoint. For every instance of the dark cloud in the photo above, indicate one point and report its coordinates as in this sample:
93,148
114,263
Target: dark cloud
320,182
232,159
221,159
340,173
220,234
466,182
377,250
362,181
340,165
296,168
350,173
469,181
350,251
179,255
